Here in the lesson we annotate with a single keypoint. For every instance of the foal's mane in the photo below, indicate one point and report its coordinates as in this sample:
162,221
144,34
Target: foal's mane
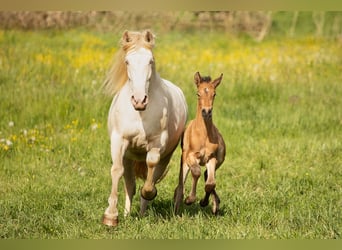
205,79
117,74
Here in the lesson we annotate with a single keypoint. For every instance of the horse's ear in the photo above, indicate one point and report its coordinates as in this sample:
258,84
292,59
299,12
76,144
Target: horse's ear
149,37
197,78
126,37
217,81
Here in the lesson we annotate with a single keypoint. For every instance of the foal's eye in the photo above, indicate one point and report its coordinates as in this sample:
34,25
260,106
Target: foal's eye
151,61
198,94
126,62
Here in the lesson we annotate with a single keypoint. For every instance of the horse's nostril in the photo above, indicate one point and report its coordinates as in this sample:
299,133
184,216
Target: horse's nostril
145,101
139,104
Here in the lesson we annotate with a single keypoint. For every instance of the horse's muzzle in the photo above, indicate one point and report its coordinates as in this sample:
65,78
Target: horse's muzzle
139,104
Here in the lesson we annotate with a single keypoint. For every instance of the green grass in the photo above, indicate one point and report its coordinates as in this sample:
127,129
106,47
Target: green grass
278,108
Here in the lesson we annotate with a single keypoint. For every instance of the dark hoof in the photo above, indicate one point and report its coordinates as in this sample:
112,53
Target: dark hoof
204,202
111,222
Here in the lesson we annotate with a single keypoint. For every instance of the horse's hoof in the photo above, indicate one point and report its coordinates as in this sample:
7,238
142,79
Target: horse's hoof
111,222
148,195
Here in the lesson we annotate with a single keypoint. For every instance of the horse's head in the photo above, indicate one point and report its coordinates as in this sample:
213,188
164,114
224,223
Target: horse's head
206,93
140,64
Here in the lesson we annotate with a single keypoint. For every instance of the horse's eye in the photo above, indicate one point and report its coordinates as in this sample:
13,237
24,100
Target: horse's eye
198,94
126,62
151,61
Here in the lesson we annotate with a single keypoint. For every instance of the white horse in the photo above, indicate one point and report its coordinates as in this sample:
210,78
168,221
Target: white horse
146,120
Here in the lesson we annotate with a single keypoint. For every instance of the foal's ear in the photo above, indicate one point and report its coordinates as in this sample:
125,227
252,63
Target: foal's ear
149,37
197,78
217,81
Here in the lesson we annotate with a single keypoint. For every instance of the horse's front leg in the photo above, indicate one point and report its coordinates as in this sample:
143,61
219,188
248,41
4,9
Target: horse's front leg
118,148
149,191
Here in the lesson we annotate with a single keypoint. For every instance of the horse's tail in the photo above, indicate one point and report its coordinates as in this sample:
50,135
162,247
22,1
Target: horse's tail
140,169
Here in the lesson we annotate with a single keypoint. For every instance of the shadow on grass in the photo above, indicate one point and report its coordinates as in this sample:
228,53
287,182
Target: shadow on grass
165,209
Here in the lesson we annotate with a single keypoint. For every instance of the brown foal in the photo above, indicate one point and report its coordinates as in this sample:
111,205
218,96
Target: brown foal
202,145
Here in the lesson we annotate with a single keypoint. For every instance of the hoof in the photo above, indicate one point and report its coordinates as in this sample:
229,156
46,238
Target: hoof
148,195
111,222
204,202
189,200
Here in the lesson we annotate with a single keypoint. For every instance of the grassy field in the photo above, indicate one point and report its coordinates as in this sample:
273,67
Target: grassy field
279,108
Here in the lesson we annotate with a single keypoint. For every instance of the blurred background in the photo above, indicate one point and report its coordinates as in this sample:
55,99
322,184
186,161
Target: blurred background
255,24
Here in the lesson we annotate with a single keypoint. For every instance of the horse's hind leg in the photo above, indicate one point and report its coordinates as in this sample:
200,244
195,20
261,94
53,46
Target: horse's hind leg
129,185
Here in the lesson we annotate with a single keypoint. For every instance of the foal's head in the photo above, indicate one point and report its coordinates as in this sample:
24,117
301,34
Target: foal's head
206,94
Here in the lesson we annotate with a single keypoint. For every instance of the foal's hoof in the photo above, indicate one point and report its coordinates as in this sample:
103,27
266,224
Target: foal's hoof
148,195
204,202
189,200
111,222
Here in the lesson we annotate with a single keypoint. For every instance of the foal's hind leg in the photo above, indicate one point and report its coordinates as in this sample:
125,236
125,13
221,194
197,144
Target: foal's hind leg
216,200
179,191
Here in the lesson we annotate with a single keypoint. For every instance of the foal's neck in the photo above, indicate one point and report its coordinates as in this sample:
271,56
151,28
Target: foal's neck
205,125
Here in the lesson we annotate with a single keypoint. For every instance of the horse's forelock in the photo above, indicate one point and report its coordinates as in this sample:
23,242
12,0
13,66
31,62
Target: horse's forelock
133,40
117,75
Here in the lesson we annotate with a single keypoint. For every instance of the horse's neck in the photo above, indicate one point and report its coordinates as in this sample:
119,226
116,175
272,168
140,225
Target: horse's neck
155,84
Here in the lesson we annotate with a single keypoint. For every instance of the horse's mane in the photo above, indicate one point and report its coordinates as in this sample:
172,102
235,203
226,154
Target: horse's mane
117,74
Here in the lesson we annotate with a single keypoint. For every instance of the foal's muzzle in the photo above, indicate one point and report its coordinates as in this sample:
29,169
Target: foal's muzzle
207,113
138,103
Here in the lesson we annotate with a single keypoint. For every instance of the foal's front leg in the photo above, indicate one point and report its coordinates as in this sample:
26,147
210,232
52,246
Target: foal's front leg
195,169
